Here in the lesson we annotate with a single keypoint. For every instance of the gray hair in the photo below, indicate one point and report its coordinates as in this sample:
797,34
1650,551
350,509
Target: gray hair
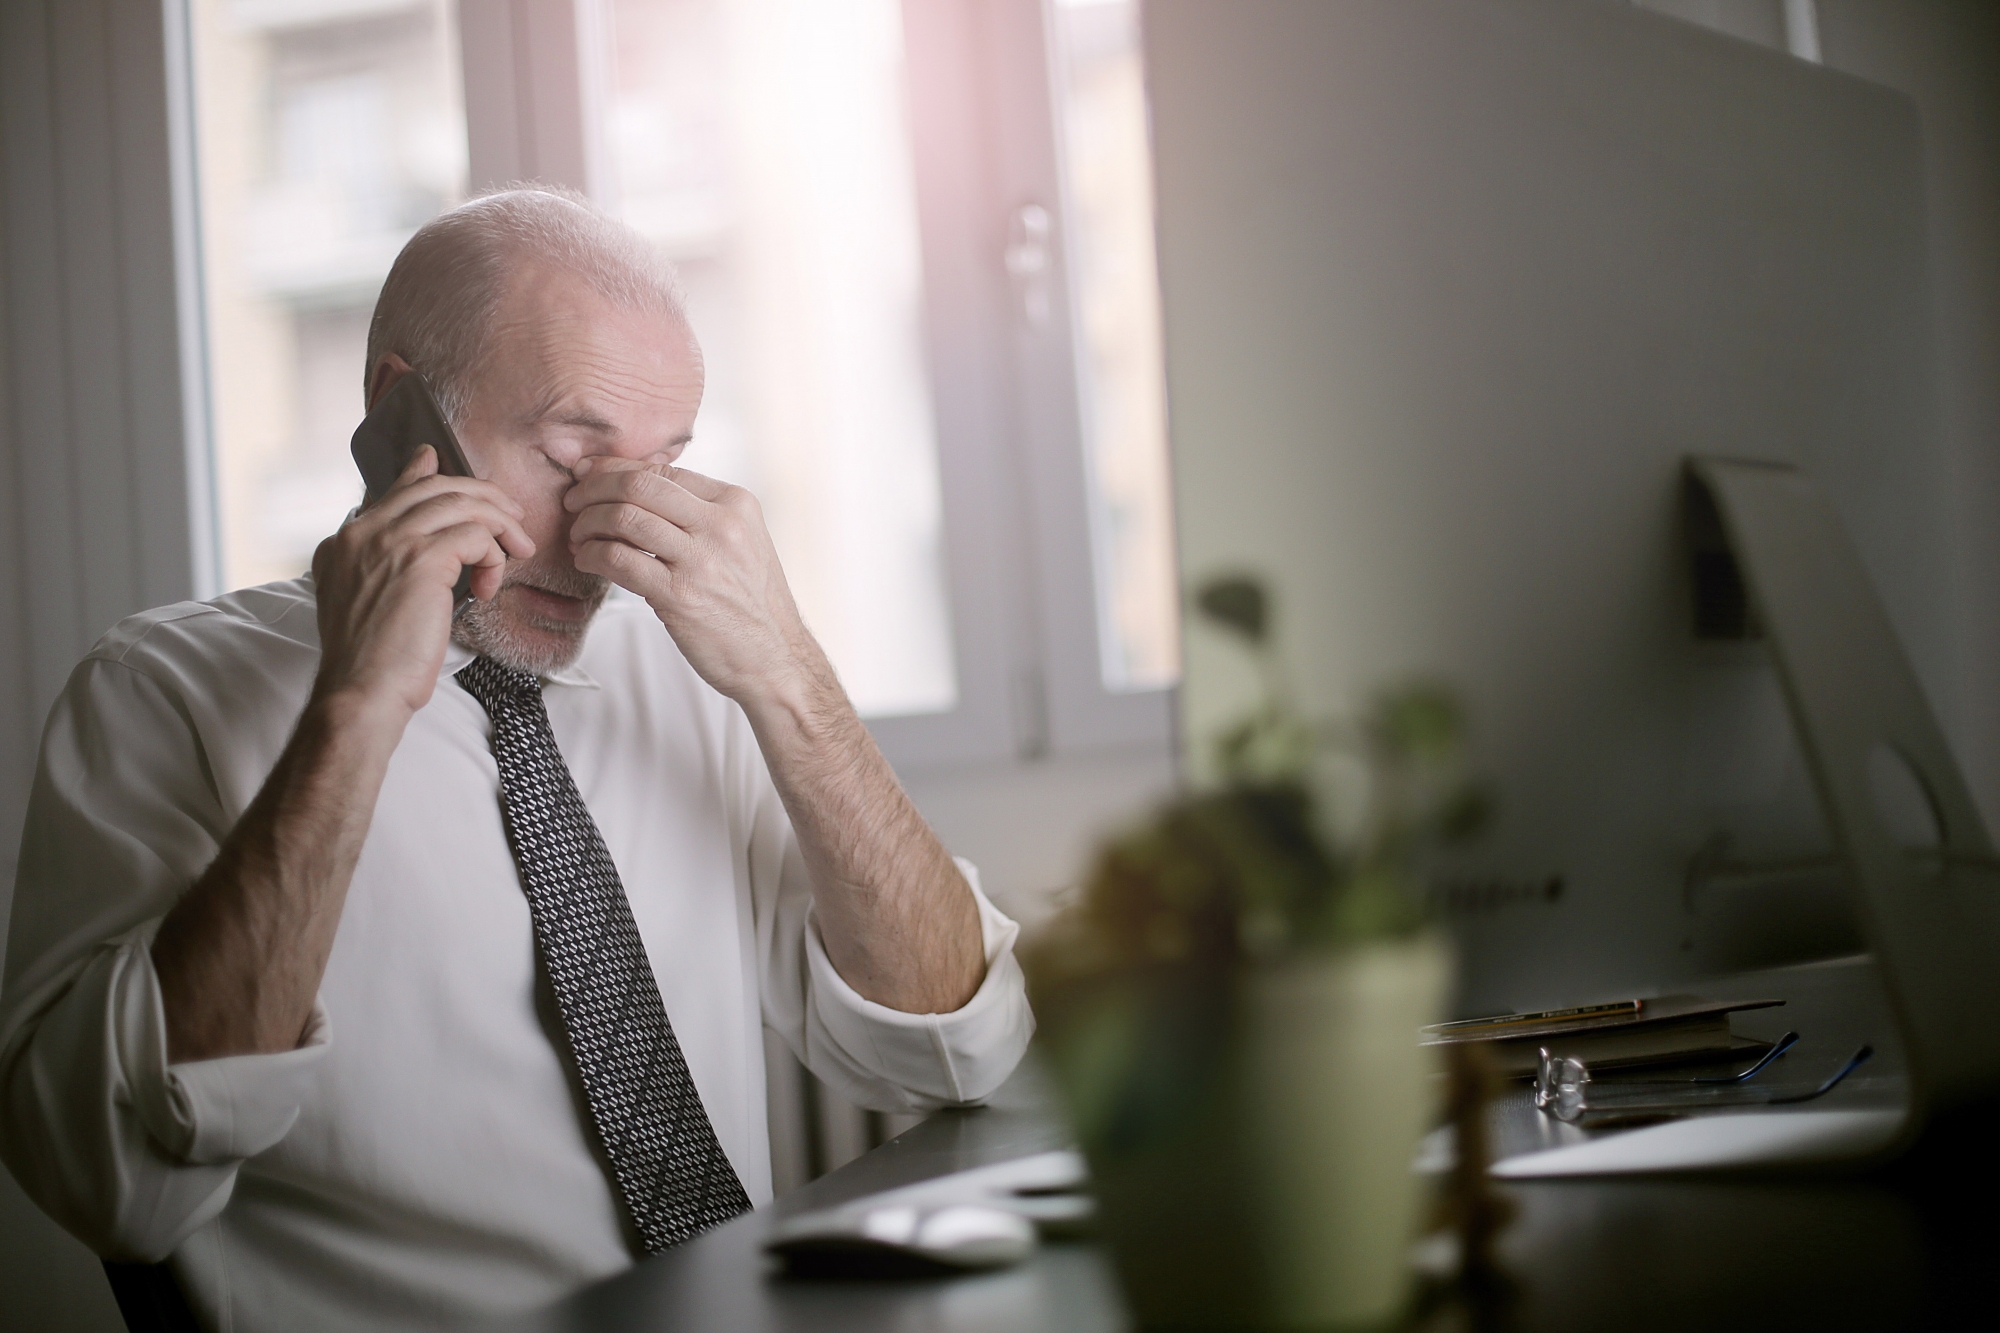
437,304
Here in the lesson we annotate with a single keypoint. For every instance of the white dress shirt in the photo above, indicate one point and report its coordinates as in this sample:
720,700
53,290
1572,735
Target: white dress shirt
423,1155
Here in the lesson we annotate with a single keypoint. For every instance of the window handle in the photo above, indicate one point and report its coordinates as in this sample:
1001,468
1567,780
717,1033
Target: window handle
1030,261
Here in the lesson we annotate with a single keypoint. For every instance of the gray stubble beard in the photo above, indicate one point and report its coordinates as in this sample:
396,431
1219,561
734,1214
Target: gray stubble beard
487,630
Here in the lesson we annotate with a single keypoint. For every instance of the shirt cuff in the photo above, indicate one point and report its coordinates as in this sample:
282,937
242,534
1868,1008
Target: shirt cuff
959,1057
203,1112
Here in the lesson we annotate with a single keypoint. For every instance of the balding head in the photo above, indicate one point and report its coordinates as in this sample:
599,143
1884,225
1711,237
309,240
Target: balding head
437,307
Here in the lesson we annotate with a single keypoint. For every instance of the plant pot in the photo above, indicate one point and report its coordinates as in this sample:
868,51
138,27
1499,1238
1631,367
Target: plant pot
1250,1133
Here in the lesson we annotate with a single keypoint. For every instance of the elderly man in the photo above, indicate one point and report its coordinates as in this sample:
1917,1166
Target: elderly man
383,965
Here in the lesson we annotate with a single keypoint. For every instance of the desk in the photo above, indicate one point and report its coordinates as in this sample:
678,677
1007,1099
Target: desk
721,1282
1916,1245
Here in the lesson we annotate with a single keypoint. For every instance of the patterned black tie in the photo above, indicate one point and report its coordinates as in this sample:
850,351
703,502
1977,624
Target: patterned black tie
673,1175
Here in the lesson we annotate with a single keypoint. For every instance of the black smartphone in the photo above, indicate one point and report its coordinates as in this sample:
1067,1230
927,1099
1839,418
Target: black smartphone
404,420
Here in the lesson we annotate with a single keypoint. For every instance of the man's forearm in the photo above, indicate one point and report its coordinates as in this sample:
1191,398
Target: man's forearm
240,957
900,922
898,919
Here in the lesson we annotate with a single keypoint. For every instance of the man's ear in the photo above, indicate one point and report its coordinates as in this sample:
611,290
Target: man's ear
383,378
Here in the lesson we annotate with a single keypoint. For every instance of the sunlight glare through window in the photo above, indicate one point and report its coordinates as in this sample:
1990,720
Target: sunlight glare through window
764,145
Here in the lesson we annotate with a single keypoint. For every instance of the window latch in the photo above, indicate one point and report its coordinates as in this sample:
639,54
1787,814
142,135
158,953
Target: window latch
1029,261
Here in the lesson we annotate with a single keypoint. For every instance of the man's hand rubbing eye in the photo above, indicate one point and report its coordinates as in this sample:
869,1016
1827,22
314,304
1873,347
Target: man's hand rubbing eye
698,551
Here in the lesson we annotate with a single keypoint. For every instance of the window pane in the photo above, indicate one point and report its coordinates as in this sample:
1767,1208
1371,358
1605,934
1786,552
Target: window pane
328,131
1108,184
764,145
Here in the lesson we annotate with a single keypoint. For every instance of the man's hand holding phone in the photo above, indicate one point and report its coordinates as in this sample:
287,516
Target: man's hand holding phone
384,582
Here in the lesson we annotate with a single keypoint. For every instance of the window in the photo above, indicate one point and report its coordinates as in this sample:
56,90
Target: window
916,241
328,131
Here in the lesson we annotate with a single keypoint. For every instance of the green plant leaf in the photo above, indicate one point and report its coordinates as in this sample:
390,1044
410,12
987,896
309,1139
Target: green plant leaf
1236,602
1421,720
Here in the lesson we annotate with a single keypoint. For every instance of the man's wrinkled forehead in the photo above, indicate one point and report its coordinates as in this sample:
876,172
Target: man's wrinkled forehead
559,346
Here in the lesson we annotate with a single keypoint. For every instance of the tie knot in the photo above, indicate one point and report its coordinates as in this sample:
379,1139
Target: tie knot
493,684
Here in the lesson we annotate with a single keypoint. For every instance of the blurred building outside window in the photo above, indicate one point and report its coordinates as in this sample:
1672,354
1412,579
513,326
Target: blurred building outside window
327,132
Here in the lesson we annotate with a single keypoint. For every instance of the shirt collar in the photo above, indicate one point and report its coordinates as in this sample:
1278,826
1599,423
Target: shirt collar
456,655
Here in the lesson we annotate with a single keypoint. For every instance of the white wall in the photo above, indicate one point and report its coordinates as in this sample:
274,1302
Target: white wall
1945,54
1031,827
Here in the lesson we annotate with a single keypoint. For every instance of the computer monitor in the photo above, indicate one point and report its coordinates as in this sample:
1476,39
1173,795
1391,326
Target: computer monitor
1452,288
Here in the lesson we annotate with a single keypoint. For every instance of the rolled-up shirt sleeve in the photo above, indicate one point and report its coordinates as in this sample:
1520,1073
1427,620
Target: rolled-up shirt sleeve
930,1059
126,1151
874,1056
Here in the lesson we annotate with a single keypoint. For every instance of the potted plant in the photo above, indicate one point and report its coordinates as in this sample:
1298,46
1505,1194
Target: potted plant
1231,1009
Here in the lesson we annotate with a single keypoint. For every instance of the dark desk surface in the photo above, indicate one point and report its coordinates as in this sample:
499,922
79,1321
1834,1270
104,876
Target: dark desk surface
723,1281
1912,1245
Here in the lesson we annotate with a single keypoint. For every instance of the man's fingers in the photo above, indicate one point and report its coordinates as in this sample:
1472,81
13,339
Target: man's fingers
632,524
412,490
708,488
627,566
661,463
486,581
470,543
423,463
642,487
447,509
404,498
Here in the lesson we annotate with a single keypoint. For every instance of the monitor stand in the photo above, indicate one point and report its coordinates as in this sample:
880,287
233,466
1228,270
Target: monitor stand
1931,914
1929,905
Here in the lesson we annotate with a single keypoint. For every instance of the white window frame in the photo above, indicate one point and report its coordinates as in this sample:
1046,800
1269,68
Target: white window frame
1011,459
1082,713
